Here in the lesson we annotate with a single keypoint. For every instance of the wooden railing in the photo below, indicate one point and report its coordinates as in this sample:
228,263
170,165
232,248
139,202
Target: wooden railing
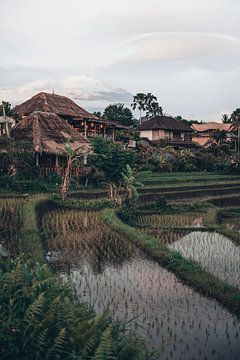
75,171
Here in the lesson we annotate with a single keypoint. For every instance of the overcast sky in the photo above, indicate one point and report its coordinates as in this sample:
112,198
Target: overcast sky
186,52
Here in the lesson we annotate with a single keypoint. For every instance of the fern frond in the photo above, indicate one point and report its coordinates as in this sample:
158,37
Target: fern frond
35,310
59,343
107,347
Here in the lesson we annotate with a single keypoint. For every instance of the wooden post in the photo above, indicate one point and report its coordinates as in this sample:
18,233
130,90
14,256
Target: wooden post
113,134
104,131
37,159
56,160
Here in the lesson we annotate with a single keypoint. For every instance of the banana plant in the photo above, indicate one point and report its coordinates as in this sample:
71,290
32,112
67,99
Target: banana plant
129,184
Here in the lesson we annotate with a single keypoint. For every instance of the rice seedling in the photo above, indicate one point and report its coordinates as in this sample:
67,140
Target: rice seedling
10,225
77,236
165,236
214,252
176,220
108,272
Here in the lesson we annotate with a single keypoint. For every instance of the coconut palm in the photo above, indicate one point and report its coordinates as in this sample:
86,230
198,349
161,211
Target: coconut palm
226,119
235,119
153,109
139,102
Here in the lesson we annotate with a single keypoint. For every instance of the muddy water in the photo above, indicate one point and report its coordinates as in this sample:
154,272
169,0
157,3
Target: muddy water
110,273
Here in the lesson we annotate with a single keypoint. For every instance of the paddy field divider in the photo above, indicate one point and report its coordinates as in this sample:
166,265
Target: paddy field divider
30,240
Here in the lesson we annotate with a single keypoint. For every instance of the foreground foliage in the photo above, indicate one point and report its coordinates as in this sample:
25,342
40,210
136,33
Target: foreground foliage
41,318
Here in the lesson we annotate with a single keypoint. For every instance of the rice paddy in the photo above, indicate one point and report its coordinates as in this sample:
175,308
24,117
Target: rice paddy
214,252
175,220
164,236
10,225
109,272
232,223
74,237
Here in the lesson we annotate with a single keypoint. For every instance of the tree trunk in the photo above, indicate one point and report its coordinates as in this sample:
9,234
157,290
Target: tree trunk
66,179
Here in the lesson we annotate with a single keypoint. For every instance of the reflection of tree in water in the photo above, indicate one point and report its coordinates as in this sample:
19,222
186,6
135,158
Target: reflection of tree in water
86,242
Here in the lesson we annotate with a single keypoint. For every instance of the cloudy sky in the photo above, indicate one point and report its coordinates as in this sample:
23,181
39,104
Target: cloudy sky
186,52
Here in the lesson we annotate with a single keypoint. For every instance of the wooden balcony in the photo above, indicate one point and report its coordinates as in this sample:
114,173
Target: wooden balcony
75,171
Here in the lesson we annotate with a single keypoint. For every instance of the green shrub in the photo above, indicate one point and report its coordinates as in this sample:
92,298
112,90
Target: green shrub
41,318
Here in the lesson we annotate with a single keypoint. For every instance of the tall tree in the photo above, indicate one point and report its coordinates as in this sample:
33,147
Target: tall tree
111,159
153,109
139,102
98,114
5,109
147,102
118,113
235,119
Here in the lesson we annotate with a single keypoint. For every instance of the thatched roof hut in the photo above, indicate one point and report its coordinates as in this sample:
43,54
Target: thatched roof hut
58,104
49,134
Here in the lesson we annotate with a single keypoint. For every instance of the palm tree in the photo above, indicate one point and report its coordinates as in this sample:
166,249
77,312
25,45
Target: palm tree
139,101
226,119
154,109
235,119
130,184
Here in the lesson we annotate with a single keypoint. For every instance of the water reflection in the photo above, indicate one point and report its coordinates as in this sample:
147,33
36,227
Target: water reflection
107,271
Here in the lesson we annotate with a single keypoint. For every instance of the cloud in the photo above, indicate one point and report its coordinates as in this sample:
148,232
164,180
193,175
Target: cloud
79,88
179,46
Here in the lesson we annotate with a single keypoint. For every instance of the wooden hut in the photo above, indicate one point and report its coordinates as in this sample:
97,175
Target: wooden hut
87,124
50,134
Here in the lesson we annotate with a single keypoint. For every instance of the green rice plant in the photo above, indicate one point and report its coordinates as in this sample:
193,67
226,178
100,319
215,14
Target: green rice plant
10,224
165,236
75,236
213,252
172,221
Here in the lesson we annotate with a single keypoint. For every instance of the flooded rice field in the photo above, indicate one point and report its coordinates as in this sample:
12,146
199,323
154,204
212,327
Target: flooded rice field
165,236
176,220
109,272
10,225
216,253
232,223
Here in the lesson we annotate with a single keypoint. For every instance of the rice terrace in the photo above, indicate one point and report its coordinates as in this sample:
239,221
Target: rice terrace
168,271
119,180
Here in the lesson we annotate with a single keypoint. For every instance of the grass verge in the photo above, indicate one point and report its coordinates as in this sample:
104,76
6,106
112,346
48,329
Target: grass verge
30,242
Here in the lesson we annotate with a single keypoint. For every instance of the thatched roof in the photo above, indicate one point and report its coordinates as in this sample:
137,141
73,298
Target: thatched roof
60,105
164,123
211,126
49,133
